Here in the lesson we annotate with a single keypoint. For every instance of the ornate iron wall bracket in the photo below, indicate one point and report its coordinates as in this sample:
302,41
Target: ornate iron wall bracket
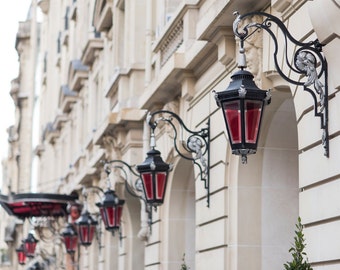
309,63
121,165
97,191
196,145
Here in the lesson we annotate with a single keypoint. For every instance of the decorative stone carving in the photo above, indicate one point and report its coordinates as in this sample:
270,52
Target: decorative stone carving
281,5
254,48
109,143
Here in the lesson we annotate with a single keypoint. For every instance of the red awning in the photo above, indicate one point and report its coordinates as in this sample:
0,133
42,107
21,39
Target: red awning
36,204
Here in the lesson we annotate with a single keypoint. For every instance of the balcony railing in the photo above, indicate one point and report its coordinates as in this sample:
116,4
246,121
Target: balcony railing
172,42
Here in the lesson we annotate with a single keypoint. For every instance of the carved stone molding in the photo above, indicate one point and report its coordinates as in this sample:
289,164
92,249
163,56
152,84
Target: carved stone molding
281,5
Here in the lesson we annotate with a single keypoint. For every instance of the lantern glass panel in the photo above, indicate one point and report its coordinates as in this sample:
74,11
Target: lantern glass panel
30,248
148,186
104,217
233,120
111,216
71,242
21,255
160,184
252,113
86,233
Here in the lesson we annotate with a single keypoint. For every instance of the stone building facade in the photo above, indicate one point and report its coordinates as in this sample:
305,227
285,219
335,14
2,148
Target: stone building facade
103,65
17,168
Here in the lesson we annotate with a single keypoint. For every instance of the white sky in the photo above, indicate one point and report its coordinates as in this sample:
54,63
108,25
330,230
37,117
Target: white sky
11,13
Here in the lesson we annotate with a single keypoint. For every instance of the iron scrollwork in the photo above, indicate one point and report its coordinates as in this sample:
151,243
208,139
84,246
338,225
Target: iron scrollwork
308,62
135,189
196,146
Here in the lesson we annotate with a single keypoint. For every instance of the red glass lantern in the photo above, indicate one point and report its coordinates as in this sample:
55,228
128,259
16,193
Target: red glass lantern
30,244
21,254
70,238
154,175
86,227
242,105
111,209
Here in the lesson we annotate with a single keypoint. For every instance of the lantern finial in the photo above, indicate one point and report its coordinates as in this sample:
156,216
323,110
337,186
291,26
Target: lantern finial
242,62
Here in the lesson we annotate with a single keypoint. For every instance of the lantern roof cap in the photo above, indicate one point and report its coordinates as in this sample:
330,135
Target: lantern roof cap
242,86
69,230
20,248
86,219
153,162
30,239
242,78
110,199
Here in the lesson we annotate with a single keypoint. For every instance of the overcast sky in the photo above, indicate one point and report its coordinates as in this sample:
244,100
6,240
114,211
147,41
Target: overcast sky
11,13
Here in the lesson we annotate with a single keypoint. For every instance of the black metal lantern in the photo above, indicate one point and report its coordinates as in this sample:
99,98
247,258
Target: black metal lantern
30,244
243,102
154,175
242,105
86,227
70,238
21,254
111,209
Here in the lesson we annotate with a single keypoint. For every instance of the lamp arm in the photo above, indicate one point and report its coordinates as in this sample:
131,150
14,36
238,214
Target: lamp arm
197,142
314,47
153,124
131,191
266,24
121,167
193,145
123,163
308,61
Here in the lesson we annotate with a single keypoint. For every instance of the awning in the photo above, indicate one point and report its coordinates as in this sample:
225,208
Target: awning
26,205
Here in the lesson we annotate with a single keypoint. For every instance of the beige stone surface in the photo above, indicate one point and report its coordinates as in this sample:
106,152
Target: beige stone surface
171,55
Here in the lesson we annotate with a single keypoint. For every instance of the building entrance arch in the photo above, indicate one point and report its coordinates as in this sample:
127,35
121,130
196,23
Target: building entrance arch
179,217
267,191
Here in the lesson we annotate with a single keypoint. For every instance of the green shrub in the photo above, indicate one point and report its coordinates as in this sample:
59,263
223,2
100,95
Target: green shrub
299,260
184,265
